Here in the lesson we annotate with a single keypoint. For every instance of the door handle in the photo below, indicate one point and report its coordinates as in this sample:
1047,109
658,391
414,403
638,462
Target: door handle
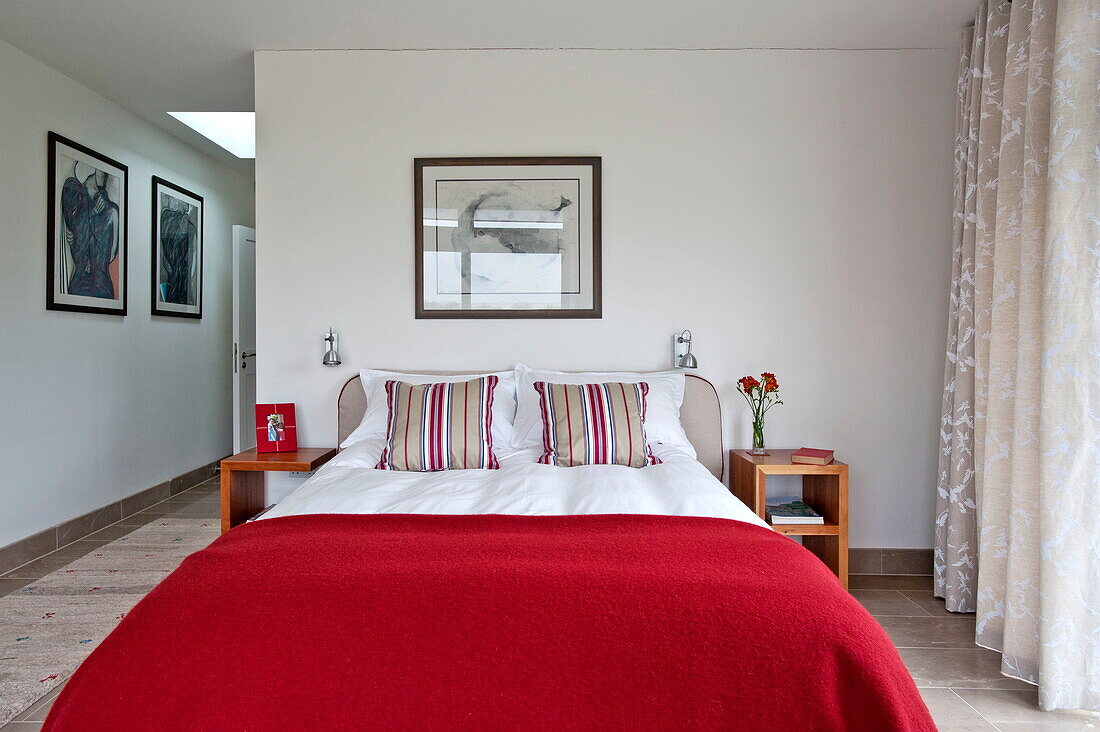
242,355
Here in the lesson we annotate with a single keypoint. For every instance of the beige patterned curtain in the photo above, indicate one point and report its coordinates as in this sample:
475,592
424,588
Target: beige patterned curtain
1018,507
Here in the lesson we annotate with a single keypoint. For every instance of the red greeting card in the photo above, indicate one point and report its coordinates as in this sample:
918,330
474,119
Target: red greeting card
275,428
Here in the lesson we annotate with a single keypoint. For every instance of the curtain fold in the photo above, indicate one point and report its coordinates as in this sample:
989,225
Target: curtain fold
1018,495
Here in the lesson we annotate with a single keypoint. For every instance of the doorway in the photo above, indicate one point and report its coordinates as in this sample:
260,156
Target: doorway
244,338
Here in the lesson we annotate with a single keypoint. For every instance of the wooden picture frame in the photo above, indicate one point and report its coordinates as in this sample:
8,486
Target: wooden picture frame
545,207
87,216
178,245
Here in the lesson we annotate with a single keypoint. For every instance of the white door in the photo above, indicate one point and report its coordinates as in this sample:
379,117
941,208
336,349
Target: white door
244,338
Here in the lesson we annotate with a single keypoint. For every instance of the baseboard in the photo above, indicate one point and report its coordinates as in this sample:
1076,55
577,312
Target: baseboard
890,561
37,545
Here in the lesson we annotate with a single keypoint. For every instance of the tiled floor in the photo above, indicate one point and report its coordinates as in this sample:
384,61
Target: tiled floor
959,681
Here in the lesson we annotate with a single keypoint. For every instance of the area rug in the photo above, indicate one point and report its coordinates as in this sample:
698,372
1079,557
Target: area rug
50,626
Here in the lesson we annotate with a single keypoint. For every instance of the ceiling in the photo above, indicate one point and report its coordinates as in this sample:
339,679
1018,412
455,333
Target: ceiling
156,56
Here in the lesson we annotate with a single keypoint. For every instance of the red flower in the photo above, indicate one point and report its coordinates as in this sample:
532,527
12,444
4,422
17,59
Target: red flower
747,383
770,382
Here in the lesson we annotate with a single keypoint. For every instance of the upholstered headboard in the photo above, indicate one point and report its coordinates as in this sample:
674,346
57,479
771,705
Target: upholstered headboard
701,415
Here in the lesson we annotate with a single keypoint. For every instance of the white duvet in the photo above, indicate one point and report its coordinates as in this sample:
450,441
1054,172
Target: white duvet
679,486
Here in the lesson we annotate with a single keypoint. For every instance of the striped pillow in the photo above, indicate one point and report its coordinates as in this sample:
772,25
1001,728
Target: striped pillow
439,426
594,424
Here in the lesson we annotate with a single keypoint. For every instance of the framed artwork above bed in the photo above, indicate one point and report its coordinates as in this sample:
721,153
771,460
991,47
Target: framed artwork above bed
507,237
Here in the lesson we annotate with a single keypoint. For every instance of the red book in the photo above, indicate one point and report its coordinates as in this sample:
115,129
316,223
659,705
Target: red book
812,456
275,428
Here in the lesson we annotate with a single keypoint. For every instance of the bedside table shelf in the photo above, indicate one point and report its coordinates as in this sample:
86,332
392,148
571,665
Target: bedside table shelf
243,478
824,488
807,529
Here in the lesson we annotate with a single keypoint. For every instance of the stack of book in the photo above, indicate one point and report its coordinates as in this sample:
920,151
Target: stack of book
791,510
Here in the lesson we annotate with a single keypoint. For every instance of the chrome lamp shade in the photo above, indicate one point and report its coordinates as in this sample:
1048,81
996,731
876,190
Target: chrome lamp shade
332,357
687,359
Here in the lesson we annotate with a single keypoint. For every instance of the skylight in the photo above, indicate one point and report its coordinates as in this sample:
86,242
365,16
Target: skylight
234,131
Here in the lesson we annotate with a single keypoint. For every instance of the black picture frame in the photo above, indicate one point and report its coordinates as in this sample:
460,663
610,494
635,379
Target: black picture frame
593,204
157,306
57,298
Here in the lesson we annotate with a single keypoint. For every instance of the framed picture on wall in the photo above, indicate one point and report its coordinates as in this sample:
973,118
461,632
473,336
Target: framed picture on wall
507,237
177,250
86,230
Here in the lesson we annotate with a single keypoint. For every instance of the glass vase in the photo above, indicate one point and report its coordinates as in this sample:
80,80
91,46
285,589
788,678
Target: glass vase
758,438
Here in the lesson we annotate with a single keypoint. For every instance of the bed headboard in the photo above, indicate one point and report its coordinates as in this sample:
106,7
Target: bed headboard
701,415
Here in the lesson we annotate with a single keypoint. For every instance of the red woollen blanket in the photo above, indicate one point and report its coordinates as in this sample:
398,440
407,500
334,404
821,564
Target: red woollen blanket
396,621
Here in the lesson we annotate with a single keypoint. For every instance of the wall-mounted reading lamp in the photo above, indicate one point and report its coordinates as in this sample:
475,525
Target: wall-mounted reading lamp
682,357
332,353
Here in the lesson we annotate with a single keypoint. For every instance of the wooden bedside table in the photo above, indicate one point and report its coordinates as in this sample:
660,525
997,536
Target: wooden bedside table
243,478
824,488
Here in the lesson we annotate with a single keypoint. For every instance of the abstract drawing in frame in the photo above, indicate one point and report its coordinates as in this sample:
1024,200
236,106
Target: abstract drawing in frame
177,250
87,250
507,237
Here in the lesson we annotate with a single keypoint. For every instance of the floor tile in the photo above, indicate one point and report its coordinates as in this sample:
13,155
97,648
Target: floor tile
195,512
201,509
211,501
890,582
140,519
112,532
200,491
39,568
958,668
37,712
77,549
208,499
9,585
888,603
41,710
185,499
157,511
934,605
1023,707
1046,724
952,714
927,632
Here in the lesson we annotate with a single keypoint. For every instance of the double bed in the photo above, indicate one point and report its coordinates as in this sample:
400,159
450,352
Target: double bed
531,596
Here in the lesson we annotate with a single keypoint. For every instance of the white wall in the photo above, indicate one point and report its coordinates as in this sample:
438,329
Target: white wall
94,408
792,208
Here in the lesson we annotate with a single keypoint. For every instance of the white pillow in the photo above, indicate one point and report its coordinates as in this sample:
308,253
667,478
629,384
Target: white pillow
376,417
662,419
